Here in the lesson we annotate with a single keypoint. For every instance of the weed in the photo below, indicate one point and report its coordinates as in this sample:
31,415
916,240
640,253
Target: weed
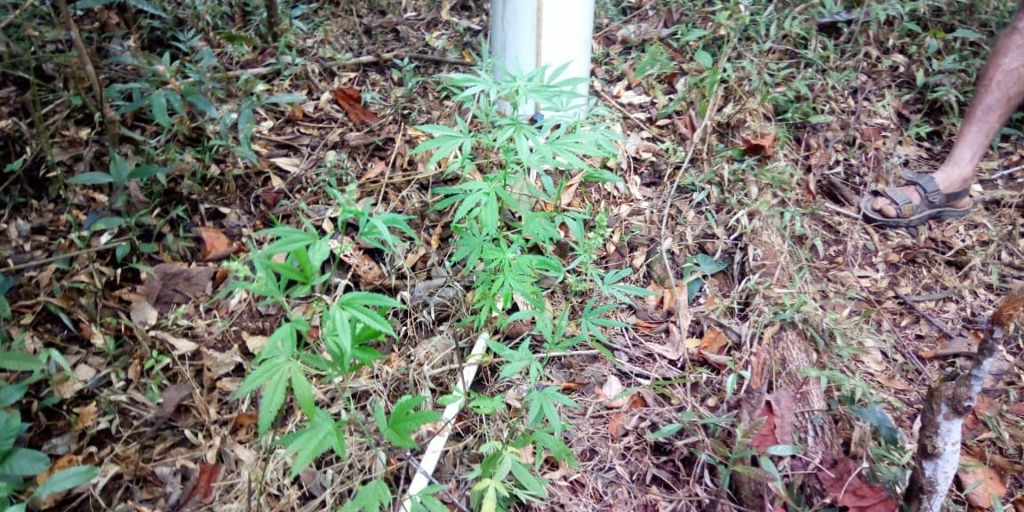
514,167
16,462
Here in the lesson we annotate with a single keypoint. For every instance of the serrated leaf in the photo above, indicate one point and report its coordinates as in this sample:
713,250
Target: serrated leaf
321,434
371,497
403,420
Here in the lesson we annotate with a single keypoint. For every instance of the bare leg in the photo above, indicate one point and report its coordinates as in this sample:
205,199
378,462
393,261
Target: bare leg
1000,90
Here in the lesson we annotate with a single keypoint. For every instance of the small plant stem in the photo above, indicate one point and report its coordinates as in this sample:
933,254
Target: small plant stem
272,19
699,133
14,15
72,254
113,125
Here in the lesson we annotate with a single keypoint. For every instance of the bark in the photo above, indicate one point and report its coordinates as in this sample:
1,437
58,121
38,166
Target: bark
784,351
942,415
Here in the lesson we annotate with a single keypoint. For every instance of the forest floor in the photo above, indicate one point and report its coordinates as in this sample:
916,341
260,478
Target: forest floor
748,133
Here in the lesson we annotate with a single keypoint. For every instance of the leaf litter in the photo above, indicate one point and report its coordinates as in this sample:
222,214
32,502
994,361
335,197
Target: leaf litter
840,291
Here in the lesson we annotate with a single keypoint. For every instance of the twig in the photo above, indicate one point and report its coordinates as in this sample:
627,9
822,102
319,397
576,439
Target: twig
110,120
16,13
698,133
436,447
370,59
917,309
641,124
839,209
72,254
1004,172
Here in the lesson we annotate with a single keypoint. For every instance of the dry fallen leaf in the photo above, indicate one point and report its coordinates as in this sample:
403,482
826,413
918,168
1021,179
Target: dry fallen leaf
610,391
763,145
181,345
714,341
208,476
985,483
143,314
174,283
844,480
351,100
86,415
216,245
369,272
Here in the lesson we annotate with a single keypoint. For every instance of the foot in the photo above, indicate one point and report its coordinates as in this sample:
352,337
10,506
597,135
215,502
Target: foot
885,206
924,197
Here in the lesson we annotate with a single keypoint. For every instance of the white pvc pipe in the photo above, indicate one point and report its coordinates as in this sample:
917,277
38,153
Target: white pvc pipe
527,34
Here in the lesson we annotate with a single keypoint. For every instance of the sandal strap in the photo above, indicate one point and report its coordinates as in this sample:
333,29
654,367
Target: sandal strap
929,190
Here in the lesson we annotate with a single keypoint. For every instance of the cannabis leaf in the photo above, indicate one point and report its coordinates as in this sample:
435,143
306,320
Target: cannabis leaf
404,419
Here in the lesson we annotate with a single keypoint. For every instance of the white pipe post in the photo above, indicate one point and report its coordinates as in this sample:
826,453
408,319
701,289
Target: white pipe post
527,34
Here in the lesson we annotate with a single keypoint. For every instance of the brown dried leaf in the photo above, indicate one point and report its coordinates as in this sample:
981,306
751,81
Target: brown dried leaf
369,272
1009,309
216,245
351,100
86,415
763,145
714,341
844,481
173,283
208,475
143,314
986,483
376,169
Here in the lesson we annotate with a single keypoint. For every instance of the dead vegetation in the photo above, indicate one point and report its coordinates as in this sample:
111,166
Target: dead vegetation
792,377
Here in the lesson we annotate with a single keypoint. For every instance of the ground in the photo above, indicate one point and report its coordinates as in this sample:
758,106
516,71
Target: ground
748,133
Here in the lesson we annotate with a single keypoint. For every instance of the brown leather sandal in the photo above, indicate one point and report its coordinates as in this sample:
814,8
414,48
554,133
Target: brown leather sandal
932,206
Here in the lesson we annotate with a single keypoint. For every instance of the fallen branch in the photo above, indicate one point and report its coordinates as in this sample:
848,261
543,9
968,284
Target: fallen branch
942,416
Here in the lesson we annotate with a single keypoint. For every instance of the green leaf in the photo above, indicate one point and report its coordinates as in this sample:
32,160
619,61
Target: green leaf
66,479
24,462
709,265
424,501
286,98
200,102
965,33
876,417
89,4
704,59
91,178
322,434
10,428
783,450
142,172
10,393
148,7
107,223
372,497
20,362
665,431
404,419
158,102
